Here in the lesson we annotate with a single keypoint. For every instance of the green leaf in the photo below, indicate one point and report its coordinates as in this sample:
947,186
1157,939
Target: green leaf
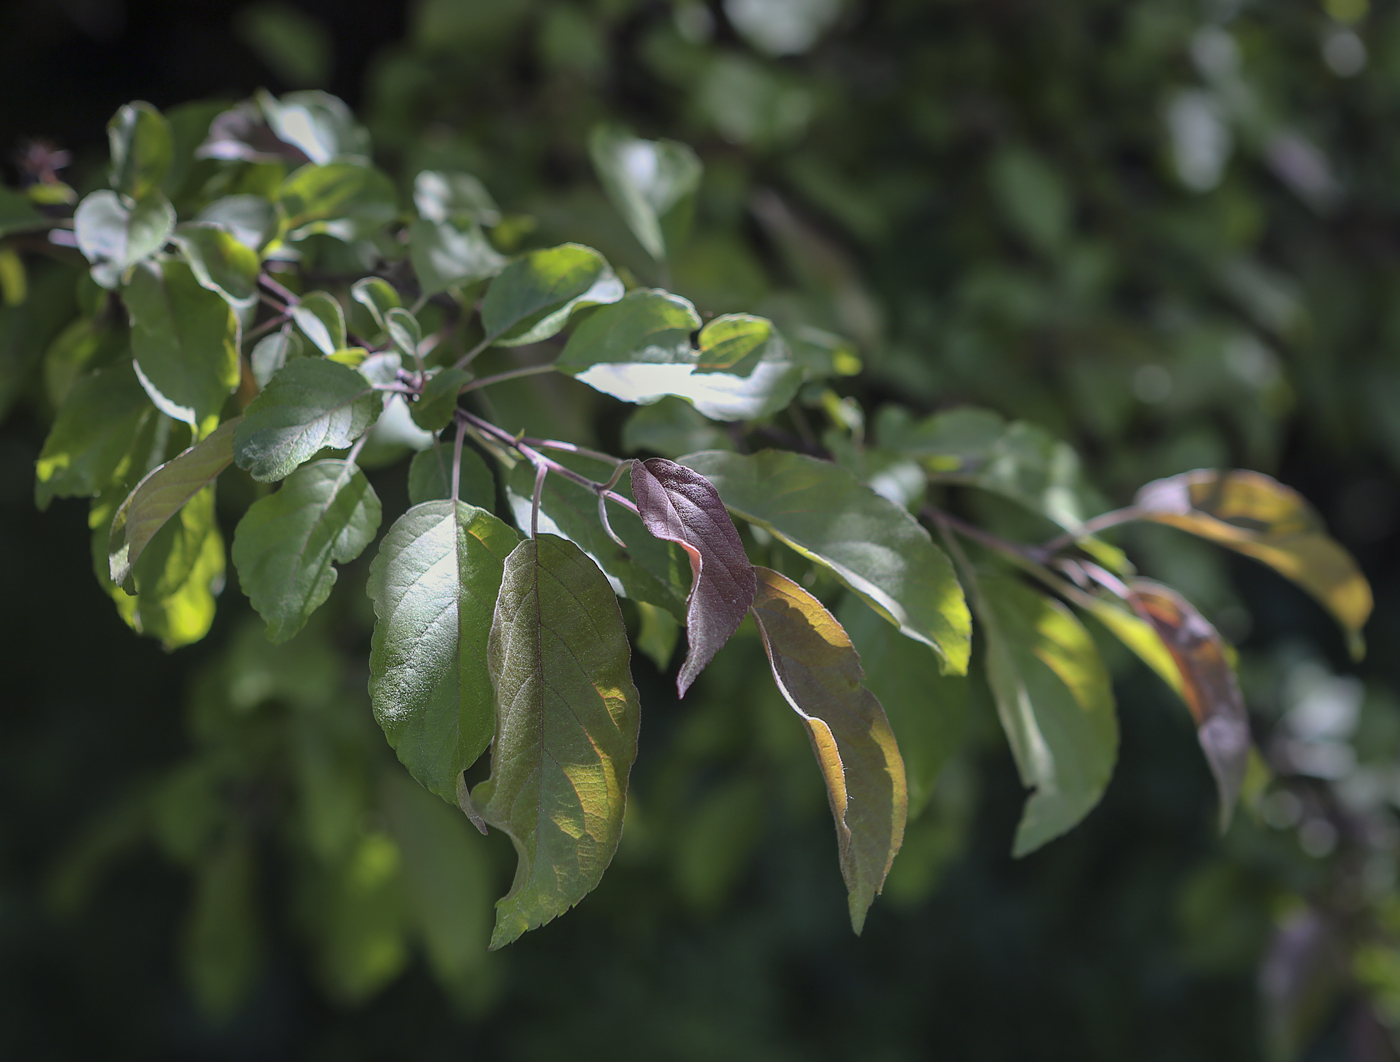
90,445
533,297
652,183
161,494
658,634
142,149
646,569
646,325
1056,706
454,197
321,320
819,674
221,947
566,730
434,409
320,125
17,213
444,255
273,351
343,199
430,477
360,917
114,236
185,339
718,395
1261,518
871,544
251,219
738,343
287,543
434,584
294,45
928,711
404,330
672,427
377,296
310,404
220,262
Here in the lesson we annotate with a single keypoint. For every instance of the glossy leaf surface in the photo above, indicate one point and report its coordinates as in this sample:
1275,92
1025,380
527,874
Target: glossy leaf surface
220,262
534,295
456,197
648,326
115,236
322,320
311,403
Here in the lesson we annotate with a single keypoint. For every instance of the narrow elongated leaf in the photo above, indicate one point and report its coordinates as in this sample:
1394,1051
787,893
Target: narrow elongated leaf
871,544
430,477
220,262
321,320
90,444
454,197
1208,684
185,339
1261,518
115,236
532,298
652,184
287,544
681,506
1055,704
160,495
566,730
434,409
737,343
444,255
646,569
311,403
142,149
649,326
434,585
819,674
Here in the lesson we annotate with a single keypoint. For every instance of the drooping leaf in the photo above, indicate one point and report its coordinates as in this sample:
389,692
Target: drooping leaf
820,676
1055,703
273,351
444,255
160,495
341,199
242,133
1208,684
927,710
652,184
566,730
142,149
311,403
114,236
220,262
434,585
185,338
533,297
321,320
455,197
287,543
430,477
646,325
1261,518
646,569
1136,633
90,444
738,343
871,544
681,506
320,125
435,407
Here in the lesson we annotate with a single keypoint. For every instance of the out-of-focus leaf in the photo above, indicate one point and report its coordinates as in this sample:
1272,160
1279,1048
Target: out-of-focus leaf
250,219
220,262
242,133
927,710
718,395
868,542
434,585
114,236
658,635
311,403
1055,703
566,730
444,255
738,343
222,942
142,149
435,407
1208,684
648,326
533,297
273,351
294,44
17,213
286,542
178,576
1261,518
322,320
820,675
652,184
161,494
679,505
672,427
90,444
185,338
343,199
454,197
360,918
318,124
430,478
377,296
404,330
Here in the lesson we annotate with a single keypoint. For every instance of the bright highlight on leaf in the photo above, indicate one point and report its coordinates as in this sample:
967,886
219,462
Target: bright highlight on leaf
652,184
533,297
115,236
646,326
819,674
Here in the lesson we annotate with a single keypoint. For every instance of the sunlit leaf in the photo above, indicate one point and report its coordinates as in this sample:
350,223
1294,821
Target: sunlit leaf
250,219
115,236
273,351
320,125
341,199
455,197
821,677
652,184
533,297
286,543
681,506
868,542
141,148
647,325
434,585
738,343
770,387
322,320
377,296
90,444
220,262
566,730
444,255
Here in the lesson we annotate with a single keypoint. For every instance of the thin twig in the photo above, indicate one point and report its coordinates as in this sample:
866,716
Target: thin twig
487,381
986,538
470,356
457,463
1092,527
267,326
541,471
290,297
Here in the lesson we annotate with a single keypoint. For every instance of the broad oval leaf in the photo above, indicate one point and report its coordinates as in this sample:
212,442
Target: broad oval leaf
1055,703
533,297
90,445
141,147
1261,518
250,219
737,343
868,542
443,197
377,296
321,320
430,477
566,730
273,351
114,236
444,255
649,326
310,404
342,199
434,584
161,494
436,405
220,261
679,505
287,544
318,124
1208,684
819,673
185,338
652,184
